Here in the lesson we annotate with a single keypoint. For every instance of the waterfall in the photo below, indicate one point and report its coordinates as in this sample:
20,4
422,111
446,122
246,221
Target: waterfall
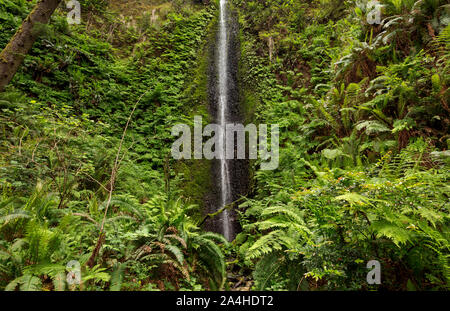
222,70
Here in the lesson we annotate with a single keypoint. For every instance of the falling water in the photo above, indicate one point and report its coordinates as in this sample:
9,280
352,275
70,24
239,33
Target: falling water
222,63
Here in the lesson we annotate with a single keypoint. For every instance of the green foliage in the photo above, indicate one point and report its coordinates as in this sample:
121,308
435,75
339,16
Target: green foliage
395,212
61,121
363,113
363,116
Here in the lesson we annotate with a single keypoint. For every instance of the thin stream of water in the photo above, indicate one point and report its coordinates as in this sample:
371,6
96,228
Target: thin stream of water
222,63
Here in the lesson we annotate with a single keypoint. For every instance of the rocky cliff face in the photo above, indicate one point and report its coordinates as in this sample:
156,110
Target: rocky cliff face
238,168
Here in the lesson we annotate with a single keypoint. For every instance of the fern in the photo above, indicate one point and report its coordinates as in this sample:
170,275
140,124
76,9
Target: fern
265,245
392,231
372,127
211,256
25,283
117,277
13,216
176,252
265,270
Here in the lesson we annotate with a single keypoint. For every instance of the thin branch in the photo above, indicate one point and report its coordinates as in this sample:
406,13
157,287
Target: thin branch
95,180
228,206
88,218
112,181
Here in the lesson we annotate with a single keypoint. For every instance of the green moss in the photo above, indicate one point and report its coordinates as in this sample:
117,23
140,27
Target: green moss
197,181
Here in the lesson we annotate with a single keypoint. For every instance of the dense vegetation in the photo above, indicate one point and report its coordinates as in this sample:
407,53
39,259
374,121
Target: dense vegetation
86,172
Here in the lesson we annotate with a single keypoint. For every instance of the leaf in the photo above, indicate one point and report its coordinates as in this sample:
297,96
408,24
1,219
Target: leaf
390,230
410,286
403,124
30,283
265,269
12,285
354,199
332,154
176,252
97,274
372,127
117,277
215,237
16,215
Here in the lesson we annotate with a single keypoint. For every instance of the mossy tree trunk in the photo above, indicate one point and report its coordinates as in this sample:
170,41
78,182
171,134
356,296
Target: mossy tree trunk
13,54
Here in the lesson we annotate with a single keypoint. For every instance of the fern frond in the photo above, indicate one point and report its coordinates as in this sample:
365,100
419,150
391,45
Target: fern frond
265,245
177,238
13,216
372,127
26,283
291,214
215,237
265,269
176,252
212,258
117,277
392,231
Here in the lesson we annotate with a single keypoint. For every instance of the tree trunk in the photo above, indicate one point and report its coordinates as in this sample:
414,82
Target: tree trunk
13,54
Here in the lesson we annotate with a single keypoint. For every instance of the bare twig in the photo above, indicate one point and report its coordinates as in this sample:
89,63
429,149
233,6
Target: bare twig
95,180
